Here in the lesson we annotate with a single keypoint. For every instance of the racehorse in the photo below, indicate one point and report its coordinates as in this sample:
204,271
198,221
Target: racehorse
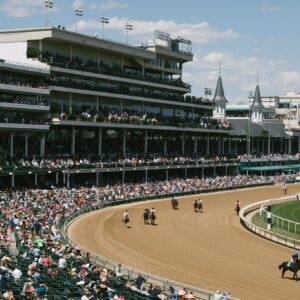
200,205
196,206
174,202
289,266
152,218
146,216
284,188
237,209
126,221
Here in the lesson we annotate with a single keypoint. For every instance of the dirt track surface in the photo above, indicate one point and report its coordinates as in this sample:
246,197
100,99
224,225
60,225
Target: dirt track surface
209,250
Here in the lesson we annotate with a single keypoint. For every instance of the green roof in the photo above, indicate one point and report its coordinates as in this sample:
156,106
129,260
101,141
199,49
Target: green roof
271,168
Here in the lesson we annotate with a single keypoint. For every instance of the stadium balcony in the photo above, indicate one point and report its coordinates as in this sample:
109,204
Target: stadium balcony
77,63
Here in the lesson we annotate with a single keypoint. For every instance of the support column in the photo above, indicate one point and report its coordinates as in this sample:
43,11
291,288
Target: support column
146,175
202,172
257,145
99,142
281,146
68,180
73,141
146,142
35,179
42,146
272,146
11,145
185,172
263,146
207,144
298,144
26,145
12,180
229,146
124,143
167,174
165,144
183,143
196,145
56,178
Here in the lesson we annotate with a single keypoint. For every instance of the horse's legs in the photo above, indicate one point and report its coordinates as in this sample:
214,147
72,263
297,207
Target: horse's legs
282,273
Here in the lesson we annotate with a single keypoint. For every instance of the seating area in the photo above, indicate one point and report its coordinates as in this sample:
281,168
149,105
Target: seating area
129,116
76,63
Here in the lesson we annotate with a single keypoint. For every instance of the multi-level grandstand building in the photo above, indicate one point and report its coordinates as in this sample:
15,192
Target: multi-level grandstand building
66,94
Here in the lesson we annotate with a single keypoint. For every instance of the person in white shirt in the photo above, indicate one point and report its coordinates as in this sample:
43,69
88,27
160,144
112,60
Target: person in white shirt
126,218
62,263
16,274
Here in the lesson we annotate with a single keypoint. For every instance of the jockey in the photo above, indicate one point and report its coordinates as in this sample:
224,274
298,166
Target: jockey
237,204
294,258
125,216
152,211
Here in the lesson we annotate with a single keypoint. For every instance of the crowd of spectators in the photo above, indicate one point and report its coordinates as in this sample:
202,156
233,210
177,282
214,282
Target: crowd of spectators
44,266
129,116
22,83
134,160
23,100
272,156
21,118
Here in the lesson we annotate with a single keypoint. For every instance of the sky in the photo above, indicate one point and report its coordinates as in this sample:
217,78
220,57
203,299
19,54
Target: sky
246,37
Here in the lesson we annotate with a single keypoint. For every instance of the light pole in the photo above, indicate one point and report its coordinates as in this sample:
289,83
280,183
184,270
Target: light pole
249,125
127,28
269,133
207,92
48,4
104,20
78,13
289,145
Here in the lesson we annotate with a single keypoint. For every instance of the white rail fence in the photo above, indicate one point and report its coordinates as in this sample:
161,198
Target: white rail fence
267,234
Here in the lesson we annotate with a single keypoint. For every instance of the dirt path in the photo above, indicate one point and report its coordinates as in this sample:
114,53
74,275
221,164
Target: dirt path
209,250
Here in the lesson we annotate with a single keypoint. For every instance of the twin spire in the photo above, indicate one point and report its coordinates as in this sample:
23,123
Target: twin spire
220,98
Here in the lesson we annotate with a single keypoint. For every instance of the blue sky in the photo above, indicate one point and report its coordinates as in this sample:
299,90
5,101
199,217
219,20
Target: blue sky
245,36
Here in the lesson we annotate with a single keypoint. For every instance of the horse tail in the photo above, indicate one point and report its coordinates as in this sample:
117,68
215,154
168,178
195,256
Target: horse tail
281,266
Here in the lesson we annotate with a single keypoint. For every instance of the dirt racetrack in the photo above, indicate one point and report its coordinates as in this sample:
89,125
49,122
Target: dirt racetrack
209,250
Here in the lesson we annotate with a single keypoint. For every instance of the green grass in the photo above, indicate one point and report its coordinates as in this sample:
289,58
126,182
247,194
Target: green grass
256,220
289,210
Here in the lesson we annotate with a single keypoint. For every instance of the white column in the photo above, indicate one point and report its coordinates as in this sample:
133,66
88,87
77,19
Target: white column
56,178
11,144
123,176
146,142
12,180
97,179
26,145
124,142
165,144
207,144
64,178
183,143
167,174
73,141
146,175
99,142
42,146
68,180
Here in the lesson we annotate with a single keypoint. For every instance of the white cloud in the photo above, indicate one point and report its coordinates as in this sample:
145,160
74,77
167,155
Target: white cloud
107,5
267,7
201,33
239,75
78,4
21,8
